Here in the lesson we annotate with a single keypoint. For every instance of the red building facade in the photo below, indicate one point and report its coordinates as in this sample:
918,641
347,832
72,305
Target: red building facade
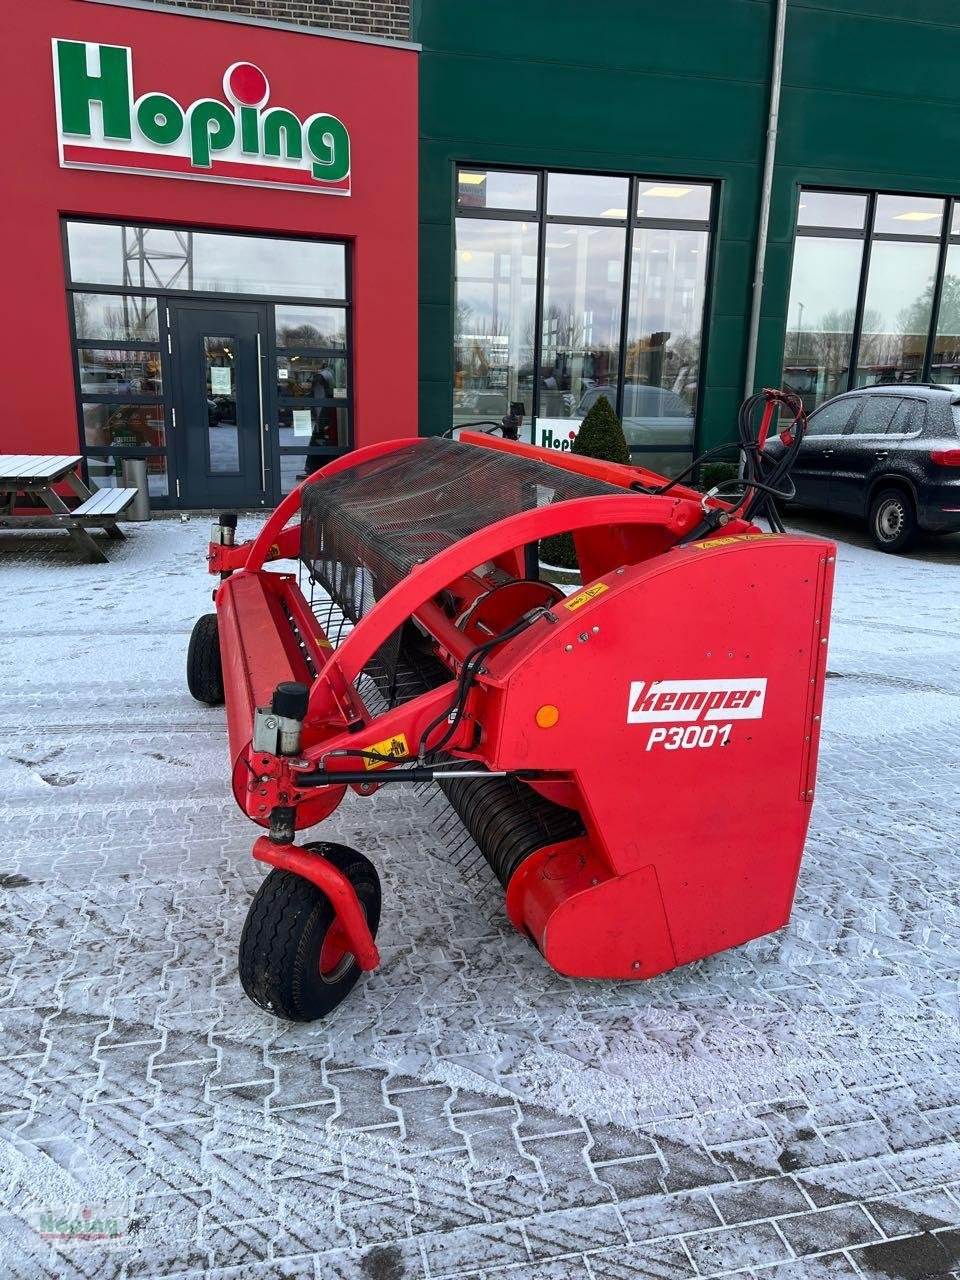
209,247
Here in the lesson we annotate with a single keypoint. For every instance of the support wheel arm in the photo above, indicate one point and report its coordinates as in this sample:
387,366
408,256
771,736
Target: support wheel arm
295,960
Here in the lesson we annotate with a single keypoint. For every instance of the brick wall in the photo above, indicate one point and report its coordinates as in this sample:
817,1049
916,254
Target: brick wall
387,18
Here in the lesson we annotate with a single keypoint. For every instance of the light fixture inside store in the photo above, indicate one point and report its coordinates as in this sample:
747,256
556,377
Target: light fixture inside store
915,215
614,213
668,193
472,179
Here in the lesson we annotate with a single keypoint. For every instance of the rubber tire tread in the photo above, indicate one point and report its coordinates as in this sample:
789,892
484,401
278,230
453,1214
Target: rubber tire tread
279,953
204,665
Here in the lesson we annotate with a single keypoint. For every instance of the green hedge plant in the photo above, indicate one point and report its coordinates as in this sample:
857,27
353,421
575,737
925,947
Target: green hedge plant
600,436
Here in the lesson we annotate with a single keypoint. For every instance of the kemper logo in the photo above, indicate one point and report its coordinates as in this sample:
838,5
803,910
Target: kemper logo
103,123
684,701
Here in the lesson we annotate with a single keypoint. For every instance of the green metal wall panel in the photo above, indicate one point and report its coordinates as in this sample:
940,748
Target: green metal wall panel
871,100
636,88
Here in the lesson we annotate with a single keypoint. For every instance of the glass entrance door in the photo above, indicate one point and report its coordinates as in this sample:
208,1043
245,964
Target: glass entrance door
220,417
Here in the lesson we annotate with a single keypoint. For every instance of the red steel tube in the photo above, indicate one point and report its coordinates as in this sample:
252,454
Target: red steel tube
331,881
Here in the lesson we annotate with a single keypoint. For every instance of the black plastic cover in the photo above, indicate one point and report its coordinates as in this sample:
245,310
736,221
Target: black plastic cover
290,699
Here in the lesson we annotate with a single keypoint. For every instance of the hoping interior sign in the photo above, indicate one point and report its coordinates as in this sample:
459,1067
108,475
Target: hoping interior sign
103,124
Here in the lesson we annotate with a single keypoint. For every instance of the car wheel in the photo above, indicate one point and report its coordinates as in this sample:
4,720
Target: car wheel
893,521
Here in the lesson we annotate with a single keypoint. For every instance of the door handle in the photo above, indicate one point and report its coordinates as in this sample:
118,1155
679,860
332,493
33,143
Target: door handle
828,453
263,422
882,453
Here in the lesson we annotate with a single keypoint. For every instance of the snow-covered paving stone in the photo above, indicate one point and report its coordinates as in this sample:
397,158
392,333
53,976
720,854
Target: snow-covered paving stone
789,1110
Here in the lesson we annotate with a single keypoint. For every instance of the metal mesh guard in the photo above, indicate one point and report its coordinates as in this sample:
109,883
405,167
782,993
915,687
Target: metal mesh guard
363,529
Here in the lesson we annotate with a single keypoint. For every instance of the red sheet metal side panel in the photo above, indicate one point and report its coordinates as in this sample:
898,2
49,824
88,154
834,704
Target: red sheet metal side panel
685,695
254,656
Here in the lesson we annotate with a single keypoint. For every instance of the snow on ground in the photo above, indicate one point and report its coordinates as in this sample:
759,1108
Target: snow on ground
787,1110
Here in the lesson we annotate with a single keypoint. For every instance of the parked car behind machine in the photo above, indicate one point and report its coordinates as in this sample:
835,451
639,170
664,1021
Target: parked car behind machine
888,454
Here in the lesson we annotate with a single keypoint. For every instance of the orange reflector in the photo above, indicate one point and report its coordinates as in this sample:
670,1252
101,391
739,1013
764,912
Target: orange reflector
547,716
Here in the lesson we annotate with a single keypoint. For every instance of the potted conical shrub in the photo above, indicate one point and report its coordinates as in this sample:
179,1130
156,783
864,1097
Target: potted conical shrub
600,436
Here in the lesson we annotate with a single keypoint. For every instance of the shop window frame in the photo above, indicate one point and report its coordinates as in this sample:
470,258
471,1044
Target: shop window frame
631,222
869,236
164,342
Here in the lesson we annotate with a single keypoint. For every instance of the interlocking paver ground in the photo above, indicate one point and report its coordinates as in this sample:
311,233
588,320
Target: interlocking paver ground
787,1111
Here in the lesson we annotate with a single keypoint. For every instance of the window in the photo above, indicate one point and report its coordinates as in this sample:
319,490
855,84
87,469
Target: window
106,472
833,418
874,295
876,414
497,189
115,426
494,318
118,371
908,215
323,327
571,286
122,282
896,312
667,289
908,419
582,301
674,200
834,209
584,196
945,361
820,317
116,317
163,258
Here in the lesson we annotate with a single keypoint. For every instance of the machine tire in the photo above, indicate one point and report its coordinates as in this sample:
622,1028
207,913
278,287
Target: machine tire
893,520
284,934
204,667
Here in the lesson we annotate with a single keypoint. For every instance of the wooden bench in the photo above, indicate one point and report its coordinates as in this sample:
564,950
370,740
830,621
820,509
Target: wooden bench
103,508
25,474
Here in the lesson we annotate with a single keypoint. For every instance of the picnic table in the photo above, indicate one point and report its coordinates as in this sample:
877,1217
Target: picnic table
35,475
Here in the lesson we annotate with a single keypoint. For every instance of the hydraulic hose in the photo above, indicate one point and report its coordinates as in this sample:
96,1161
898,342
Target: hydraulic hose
766,475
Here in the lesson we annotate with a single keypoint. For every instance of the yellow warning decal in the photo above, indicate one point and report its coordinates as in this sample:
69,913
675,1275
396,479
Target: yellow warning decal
323,642
725,542
584,597
396,748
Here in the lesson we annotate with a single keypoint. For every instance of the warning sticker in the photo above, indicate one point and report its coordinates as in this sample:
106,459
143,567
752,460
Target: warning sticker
737,537
584,597
396,748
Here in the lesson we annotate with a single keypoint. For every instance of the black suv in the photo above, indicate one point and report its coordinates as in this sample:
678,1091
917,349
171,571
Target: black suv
889,454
